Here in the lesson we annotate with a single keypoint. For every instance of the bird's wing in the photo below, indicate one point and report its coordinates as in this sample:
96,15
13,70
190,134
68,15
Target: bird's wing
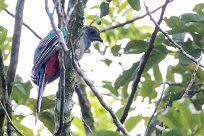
45,51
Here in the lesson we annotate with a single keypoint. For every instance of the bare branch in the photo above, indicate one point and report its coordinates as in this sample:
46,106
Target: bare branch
156,107
27,26
172,41
10,121
15,45
14,57
129,21
56,29
100,98
142,65
84,103
192,78
3,93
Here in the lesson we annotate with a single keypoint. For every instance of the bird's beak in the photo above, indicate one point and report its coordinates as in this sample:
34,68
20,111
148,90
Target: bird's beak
99,39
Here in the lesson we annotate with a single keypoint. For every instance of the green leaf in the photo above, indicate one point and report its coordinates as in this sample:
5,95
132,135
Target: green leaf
195,53
47,103
104,7
135,4
17,120
148,88
173,92
129,74
3,34
132,122
21,91
154,60
104,133
191,17
115,50
199,8
172,133
170,74
108,85
159,39
2,5
190,119
157,73
107,61
47,117
126,76
80,127
135,47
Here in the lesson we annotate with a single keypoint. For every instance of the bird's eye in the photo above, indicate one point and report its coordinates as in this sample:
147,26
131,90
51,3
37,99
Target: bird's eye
92,32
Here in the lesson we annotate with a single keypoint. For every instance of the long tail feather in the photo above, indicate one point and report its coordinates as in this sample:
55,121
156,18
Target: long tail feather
41,87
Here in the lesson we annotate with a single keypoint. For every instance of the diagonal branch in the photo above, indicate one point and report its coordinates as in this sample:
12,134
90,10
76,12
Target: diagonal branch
192,79
100,98
155,110
129,21
27,26
56,29
172,41
84,103
142,65
9,120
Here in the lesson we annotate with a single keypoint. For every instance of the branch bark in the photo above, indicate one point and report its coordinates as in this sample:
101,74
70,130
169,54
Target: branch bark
100,98
142,65
87,116
172,41
14,59
2,93
129,21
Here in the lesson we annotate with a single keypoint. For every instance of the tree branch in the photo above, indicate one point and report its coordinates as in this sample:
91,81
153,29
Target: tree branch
55,28
172,41
9,120
100,98
142,65
129,21
3,93
192,79
87,116
14,58
27,26
156,107
15,45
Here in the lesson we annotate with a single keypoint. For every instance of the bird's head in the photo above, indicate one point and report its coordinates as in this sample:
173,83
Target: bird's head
93,33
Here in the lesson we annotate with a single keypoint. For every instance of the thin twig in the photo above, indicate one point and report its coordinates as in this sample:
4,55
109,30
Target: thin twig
192,78
56,29
142,65
86,125
27,26
100,98
172,41
129,21
9,120
156,107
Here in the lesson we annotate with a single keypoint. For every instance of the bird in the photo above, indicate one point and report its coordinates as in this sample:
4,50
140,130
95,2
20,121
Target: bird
46,64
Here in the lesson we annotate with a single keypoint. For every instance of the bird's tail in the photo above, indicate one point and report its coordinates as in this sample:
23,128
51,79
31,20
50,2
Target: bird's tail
41,87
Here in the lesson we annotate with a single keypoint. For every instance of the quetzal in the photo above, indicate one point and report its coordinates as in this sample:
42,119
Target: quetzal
46,64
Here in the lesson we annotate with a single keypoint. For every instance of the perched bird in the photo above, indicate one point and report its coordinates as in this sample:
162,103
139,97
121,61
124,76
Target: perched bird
46,64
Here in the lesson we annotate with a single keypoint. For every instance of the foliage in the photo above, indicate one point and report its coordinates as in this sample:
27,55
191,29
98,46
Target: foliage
174,115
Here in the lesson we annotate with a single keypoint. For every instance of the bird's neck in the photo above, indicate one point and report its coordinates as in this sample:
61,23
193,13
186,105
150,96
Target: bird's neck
87,41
